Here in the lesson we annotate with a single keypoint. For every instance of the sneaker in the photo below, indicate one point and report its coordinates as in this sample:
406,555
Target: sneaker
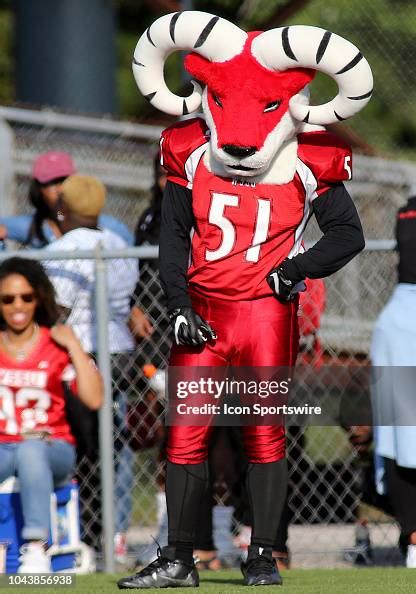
260,568
120,548
164,572
411,556
34,559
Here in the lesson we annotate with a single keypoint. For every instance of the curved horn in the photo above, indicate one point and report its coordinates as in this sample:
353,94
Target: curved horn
213,37
302,46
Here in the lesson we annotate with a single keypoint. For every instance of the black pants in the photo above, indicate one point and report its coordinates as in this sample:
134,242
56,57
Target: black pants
401,487
228,465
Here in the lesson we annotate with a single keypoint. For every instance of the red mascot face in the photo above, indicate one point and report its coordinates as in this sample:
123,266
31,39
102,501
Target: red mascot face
247,108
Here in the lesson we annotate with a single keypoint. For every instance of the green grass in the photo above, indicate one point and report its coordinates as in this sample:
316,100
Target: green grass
299,581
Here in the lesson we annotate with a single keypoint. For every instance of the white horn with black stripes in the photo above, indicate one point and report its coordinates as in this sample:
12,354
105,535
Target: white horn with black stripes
213,37
302,46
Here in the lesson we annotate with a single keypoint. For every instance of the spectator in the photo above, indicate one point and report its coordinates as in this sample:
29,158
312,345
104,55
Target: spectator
393,353
148,227
79,206
40,228
36,357
148,293
148,290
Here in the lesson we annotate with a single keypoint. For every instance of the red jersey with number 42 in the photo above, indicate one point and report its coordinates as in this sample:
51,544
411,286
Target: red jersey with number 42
245,229
31,392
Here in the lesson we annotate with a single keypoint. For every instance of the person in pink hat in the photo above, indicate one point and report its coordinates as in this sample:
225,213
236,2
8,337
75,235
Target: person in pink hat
50,167
39,228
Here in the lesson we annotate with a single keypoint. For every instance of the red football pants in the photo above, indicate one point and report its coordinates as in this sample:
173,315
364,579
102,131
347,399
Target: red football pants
262,332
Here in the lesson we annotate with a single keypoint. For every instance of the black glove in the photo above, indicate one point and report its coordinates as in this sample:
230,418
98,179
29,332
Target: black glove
282,286
189,328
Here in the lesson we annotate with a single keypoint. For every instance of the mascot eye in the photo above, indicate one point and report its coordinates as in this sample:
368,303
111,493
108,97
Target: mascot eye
217,101
272,106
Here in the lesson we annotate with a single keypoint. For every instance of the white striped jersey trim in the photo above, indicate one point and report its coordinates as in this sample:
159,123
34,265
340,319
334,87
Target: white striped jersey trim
310,183
192,163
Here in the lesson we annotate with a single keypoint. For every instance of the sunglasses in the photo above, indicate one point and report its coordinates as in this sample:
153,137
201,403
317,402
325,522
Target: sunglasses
25,297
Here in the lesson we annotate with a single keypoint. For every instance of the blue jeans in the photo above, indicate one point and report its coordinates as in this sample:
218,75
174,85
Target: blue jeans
39,465
124,482
124,473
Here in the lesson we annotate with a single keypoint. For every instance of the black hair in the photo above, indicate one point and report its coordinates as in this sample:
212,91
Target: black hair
42,211
47,311
148,226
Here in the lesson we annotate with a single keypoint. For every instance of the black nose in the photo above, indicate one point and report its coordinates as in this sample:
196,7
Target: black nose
239,151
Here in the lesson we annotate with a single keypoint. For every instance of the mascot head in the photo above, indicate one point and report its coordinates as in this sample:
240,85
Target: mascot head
254,95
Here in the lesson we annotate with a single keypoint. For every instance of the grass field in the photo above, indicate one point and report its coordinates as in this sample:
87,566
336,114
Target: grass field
299,581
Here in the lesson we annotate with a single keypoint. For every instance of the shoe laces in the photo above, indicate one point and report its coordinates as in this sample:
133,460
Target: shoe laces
260,564
160,561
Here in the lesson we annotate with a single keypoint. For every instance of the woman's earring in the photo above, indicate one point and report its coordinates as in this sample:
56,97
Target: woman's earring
60,216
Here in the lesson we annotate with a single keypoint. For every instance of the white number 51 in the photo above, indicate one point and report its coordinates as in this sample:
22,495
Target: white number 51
347,166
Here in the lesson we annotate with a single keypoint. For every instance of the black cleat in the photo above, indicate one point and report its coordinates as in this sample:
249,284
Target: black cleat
164,572
260,568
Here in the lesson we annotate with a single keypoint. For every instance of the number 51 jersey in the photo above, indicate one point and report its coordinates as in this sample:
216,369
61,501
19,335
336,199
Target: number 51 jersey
244,228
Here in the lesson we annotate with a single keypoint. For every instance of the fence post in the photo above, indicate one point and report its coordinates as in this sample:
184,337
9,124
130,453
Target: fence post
7,202
106,442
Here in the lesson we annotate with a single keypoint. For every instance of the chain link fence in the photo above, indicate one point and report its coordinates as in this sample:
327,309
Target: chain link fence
327,477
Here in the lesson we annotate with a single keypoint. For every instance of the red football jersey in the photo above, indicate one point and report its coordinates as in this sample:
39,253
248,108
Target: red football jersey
245,229
31,392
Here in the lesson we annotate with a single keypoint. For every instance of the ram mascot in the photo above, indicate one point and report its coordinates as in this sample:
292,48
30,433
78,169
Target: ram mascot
243,180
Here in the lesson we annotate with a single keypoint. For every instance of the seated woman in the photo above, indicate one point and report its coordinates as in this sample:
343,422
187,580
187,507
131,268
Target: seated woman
36,358
40,227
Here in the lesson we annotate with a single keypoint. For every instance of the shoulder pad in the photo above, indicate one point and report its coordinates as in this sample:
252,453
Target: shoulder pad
181,148
328,157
